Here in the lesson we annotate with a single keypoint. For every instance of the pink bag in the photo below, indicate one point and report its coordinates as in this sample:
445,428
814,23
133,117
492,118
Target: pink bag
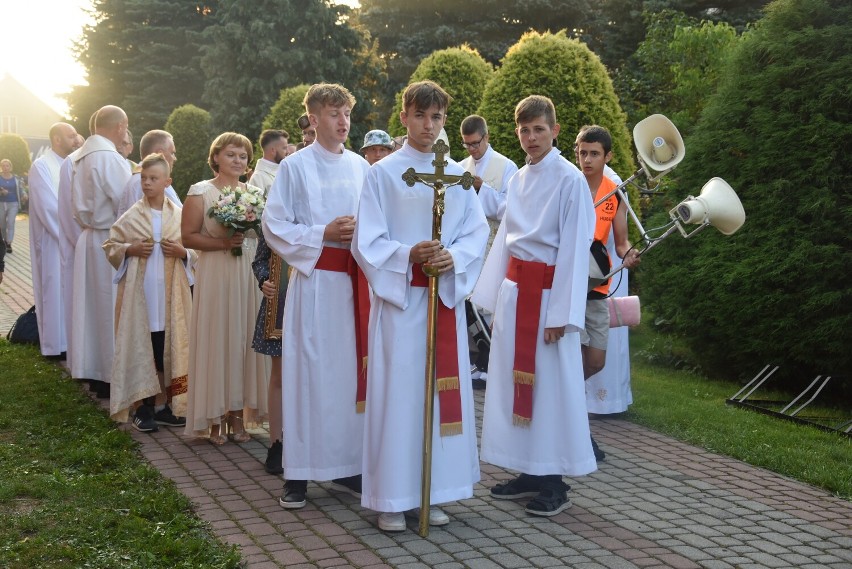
624,311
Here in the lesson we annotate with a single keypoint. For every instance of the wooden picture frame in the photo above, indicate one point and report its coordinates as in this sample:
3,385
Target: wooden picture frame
273,324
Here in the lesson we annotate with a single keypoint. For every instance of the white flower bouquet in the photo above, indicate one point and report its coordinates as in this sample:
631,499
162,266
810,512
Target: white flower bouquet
238,209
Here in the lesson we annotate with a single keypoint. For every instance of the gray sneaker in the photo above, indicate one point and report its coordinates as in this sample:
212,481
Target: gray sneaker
143,420
166,418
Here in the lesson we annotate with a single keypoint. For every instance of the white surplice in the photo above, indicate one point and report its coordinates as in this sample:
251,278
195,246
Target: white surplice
550,219
608,391
392,218
133,193
46,254
323,431
69,233
99,175
495,171
264,174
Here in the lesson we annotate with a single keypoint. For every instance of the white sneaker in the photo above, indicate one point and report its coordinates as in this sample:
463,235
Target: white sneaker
475,373
392,521
437,517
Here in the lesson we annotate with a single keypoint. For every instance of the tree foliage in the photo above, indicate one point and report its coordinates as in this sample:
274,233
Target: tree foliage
257,48
287,110
191,128
14,148
461,72
573,77
779,130
142,55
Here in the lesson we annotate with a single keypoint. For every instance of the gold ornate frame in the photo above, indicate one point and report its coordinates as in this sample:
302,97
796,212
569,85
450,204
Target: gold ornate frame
274,316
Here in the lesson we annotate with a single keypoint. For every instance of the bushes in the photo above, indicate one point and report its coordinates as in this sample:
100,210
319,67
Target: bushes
462,73
573,77
14,148
190,127
286,111
779,131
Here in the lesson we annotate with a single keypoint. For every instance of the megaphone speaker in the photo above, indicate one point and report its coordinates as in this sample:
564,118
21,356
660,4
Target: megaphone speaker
658,143
717,205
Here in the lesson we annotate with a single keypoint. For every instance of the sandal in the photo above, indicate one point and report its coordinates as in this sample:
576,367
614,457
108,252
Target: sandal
216,436
549,502
238,437
524,486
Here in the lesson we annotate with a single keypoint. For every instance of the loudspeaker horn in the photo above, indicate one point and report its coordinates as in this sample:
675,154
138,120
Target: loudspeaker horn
718,205
658,143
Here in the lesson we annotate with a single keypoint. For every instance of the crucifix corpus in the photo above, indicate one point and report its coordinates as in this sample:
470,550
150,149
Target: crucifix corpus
439,182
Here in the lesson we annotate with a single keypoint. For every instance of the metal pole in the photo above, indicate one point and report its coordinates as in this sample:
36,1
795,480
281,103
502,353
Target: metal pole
428,407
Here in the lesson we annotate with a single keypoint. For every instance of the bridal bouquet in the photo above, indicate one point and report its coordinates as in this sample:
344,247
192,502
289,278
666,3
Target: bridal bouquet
238,209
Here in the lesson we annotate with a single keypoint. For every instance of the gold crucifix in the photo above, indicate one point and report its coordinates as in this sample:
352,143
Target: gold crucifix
439,182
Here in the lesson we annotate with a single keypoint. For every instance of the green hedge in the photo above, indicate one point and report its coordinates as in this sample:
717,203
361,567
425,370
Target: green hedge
190,127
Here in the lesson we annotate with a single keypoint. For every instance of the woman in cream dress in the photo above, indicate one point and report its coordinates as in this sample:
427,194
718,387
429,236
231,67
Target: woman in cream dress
227,379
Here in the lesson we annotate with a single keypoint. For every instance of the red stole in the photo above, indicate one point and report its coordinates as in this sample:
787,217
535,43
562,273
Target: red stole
447,362
341,260
532,278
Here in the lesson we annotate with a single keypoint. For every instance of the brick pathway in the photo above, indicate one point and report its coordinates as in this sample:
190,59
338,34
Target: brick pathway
655,502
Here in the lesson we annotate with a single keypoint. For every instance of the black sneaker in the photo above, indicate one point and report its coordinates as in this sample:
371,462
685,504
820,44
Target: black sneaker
8,247
294,494
273,459
524,486
600,455
143,420
552,500
351,485
166,418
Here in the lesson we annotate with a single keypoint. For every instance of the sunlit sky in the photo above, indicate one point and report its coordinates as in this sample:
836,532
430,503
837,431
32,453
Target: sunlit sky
36,46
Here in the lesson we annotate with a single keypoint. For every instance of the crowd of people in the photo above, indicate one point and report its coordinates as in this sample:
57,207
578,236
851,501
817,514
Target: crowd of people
166,310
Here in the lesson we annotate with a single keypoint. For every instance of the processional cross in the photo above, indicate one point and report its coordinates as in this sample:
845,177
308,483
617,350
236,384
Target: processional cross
439,181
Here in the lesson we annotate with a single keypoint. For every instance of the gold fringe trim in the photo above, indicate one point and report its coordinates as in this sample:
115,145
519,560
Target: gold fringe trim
523,377
360,406
179,385
519,421
451,429
445,383
364,362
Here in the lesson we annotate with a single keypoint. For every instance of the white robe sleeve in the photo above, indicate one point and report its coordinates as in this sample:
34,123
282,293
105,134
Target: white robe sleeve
298,244
468,249
385,262
42,203
493,272
567,304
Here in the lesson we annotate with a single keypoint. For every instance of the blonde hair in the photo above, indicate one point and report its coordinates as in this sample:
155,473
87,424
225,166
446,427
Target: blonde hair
331,94
156,159
225,139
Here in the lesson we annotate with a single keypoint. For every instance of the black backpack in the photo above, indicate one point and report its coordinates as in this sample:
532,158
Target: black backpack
25,328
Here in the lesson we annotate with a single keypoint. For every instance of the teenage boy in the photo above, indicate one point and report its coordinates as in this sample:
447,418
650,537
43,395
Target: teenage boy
535,281
152,307
594,151
309,221
393,239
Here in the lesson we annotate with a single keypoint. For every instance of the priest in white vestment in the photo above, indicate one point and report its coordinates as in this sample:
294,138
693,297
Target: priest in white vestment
275,147
99,176
535,281
153,142
393,235
69,233
308,221
45,236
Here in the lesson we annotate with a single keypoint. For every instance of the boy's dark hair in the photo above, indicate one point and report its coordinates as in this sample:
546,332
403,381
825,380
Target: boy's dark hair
270,135
595,133
533,107
474,124
424,95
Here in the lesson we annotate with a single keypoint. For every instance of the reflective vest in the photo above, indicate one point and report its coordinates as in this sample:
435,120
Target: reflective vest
604,215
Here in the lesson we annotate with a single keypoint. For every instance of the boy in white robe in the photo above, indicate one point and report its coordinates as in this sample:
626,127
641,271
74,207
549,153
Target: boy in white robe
309,220
392,240
535,281
152,308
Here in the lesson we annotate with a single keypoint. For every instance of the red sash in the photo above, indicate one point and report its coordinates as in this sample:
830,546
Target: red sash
447,362
532,278
341,260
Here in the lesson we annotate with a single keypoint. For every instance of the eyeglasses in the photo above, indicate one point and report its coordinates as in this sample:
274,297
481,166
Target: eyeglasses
473,145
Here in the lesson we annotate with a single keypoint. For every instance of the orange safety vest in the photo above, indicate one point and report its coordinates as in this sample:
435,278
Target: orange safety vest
605,214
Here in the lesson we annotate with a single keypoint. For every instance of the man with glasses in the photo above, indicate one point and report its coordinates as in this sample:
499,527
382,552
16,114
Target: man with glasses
492,171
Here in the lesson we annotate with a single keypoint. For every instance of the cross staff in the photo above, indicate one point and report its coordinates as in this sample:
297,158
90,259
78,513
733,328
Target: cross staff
439,182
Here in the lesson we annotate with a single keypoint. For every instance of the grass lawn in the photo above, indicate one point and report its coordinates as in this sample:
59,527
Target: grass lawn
692,408
74,491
